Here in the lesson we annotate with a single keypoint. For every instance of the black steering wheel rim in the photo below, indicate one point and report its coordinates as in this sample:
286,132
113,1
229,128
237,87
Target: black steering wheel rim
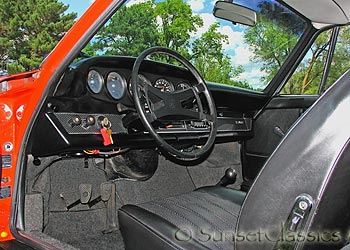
212,121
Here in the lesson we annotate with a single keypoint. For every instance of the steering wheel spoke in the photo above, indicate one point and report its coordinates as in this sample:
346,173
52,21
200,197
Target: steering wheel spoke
184,95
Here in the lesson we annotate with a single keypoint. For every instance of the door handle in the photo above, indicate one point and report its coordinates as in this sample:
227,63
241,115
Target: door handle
278,131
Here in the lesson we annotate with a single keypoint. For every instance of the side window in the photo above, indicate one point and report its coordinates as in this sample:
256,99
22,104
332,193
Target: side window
341,57
307,79
308,75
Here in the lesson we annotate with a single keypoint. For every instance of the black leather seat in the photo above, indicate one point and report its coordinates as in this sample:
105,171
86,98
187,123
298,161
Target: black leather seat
184,221
311,161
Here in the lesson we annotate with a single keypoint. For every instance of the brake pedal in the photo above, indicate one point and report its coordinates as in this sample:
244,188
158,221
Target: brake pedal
106,190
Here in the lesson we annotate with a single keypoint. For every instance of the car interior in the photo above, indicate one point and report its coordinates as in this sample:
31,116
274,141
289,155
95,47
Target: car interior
138,153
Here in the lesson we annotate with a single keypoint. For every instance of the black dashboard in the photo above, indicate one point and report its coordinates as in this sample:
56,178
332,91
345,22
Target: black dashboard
97,89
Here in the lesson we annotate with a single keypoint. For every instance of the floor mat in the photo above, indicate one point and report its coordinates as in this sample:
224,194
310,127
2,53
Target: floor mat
170,179
83,230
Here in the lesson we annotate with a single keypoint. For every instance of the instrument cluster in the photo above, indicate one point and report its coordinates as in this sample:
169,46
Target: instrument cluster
114,83
117,85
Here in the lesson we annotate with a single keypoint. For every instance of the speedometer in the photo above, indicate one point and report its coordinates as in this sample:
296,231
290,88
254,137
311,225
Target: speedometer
164,85
95,81
116,85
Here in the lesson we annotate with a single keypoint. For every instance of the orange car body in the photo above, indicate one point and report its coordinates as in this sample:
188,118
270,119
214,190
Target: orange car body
20,99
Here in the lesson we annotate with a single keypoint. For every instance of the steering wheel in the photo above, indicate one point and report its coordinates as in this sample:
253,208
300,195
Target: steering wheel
153,104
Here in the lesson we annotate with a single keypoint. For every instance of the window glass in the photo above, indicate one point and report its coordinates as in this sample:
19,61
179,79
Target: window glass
224,53
307,77
341,57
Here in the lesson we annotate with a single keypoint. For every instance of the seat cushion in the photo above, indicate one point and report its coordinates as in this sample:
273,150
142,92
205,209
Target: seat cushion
203,219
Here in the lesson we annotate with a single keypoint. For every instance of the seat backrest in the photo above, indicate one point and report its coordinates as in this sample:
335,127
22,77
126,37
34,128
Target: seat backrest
302,164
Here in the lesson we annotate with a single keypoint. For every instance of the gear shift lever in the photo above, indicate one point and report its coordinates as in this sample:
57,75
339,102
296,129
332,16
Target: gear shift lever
228,179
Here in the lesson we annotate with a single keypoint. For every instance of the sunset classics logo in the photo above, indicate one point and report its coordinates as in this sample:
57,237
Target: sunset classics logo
261,235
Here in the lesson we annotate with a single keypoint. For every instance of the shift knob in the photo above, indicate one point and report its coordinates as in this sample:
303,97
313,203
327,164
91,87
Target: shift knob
228,179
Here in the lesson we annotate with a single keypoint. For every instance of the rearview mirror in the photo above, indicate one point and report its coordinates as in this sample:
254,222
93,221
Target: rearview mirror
234,13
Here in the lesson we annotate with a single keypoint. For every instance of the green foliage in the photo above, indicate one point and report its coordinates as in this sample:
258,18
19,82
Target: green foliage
275,35
273,38
307,78
281,16
340,60
177,22
270,44
137,27
130,31
211,62
29,30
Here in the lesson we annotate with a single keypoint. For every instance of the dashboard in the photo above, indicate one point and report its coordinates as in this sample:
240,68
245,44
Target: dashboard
95,93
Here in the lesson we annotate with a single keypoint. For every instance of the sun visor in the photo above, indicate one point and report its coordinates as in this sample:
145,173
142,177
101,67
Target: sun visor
338,11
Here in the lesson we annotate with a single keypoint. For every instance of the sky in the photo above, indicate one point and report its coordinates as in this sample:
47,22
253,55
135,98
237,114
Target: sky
235,49
77,6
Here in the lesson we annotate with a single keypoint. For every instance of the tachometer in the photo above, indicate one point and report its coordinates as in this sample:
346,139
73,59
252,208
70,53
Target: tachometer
164,85
116,85
95,81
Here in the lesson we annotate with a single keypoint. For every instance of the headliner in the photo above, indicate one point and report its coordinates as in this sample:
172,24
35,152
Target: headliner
323,11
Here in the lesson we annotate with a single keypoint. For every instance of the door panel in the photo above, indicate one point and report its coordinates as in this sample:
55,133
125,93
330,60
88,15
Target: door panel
269,128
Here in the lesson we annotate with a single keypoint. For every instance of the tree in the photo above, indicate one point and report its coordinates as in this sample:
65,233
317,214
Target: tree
273,38
308,76
270,44
130,31
29,30
209,59
137,27
176,24
340,60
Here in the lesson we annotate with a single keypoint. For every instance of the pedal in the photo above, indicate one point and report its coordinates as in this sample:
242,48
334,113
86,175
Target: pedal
85,193
106,190
108,195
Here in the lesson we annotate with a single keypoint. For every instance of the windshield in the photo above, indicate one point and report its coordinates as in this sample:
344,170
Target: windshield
222,52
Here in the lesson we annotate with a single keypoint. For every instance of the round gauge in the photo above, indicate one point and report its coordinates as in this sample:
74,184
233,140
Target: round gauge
116,85
164,85
95,81
182,86
141,78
